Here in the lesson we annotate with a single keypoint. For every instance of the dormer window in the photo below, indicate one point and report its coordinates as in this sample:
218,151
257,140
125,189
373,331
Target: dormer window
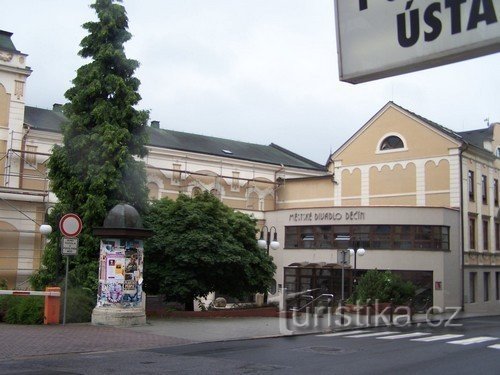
392,142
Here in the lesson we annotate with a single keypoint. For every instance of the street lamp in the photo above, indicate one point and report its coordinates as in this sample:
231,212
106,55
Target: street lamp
355,250
266,243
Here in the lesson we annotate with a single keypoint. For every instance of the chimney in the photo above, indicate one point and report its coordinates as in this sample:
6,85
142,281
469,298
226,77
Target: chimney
155,124
56,107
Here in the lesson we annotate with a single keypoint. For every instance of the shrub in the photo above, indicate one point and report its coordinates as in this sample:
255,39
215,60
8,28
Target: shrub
21,310
79,305
3,284
384,286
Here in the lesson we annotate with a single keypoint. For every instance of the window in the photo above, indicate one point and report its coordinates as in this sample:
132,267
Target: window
325,237
390,143
215,193
485,235
471,185
384,237
497,285
176,174
235,182
196,191
472,233
472,287
495,191
497,236
307,238
486,286
484,189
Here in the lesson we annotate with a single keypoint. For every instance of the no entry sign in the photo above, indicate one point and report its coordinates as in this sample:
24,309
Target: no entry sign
70,225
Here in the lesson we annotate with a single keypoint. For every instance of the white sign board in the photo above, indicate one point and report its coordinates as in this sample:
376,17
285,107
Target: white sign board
69,246
382,38
343,257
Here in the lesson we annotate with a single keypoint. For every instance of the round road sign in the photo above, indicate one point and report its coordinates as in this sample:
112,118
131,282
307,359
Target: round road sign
70,225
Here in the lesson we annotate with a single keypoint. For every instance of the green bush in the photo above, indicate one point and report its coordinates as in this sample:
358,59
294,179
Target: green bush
21,310
384,286
3,284
79,305
30,310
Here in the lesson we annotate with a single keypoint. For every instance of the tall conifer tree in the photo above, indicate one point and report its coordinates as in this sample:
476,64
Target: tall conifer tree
96,167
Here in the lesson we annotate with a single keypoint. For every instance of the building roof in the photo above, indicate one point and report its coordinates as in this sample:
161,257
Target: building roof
473,139
44,119
479,136
51,120
6,42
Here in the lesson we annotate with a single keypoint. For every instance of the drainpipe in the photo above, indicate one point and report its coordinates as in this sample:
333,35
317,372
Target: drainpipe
462,148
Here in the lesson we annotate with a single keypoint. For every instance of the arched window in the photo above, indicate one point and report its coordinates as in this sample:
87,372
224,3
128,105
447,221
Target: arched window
196,191
391,142
153,190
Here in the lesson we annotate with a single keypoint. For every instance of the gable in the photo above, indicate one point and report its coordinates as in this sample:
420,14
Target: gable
419,139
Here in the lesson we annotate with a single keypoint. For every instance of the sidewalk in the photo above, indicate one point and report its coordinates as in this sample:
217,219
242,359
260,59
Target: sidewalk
18,341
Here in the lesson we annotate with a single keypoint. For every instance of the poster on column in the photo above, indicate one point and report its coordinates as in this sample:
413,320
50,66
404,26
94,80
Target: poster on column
115,267
133,272
120,272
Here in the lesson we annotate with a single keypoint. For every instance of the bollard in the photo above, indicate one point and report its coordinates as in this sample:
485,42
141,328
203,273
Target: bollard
52,307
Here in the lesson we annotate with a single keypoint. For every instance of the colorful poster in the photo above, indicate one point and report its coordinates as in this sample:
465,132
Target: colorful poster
120,273
115,267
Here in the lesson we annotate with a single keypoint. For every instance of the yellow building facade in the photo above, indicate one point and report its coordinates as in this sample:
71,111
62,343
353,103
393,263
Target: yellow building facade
420,198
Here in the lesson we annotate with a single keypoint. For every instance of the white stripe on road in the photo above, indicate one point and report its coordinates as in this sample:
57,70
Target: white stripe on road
341,333
403,336
374,334
473,340
496,346
437,338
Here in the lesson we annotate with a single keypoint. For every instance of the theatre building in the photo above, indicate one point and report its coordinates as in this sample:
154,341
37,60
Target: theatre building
422,201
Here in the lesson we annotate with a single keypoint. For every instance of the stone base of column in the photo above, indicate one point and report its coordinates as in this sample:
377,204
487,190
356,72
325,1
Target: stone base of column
117,316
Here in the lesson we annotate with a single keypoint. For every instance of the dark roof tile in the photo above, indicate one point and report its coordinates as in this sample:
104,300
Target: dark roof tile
51,120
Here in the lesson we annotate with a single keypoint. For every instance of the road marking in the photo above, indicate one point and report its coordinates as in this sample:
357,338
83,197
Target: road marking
437,338
403,336
473,340
341,333
374,334
496,346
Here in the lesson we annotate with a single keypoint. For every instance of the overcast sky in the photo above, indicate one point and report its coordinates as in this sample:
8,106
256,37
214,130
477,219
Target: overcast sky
258,71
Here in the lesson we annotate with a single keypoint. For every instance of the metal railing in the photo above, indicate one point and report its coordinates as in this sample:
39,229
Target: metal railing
330,298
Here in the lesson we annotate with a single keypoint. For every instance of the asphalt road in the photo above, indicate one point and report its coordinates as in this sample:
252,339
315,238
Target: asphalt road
473,347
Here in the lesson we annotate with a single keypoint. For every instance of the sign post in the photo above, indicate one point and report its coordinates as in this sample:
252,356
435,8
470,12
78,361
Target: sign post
70,226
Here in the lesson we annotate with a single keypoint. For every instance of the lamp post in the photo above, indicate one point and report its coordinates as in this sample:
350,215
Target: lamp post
343,258
266,243
355,250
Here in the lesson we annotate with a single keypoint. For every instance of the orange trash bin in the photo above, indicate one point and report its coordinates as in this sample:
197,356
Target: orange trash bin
52,309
